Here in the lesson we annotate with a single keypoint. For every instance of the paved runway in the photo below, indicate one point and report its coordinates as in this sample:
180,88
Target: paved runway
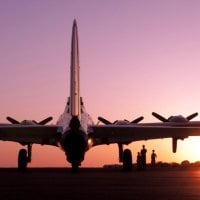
99,184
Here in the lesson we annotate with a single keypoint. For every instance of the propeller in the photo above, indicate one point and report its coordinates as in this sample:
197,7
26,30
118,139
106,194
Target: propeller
163,119
137,120
191,116
13,121
43,122
106,122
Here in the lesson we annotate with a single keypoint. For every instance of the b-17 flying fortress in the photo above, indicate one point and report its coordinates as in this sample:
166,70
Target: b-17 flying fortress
75,132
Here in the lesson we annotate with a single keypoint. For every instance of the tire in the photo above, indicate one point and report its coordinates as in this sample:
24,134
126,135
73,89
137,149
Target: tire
22,160
75,167
127,160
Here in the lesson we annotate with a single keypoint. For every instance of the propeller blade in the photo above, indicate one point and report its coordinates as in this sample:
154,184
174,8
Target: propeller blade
161,118
13,121
191,116
137,120
45,121
104,121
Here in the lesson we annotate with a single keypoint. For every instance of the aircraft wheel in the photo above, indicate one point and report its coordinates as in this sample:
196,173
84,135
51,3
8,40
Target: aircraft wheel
127,160
75,167
22,160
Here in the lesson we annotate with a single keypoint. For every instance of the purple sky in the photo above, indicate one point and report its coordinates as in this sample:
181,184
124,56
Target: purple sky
135,57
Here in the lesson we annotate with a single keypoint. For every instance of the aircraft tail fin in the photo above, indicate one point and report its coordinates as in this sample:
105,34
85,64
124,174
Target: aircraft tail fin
75,107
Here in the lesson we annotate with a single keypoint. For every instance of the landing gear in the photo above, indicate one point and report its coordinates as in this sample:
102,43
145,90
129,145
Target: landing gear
24,157
127,160
22,160
75,167
125,156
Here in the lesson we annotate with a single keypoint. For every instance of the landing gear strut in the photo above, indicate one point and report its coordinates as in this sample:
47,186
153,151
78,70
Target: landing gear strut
24,157
125,156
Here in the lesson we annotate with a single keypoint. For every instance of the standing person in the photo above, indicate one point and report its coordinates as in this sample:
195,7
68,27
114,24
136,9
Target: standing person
153,158
139,161
143,157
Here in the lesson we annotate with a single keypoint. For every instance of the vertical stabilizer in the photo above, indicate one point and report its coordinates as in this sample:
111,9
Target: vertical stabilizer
74,106
75,68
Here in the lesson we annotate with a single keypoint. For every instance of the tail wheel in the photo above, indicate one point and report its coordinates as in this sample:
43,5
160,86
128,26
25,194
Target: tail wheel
127,160
22,160
75,167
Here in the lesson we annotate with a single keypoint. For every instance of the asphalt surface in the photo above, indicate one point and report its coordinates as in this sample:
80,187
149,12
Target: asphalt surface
99,184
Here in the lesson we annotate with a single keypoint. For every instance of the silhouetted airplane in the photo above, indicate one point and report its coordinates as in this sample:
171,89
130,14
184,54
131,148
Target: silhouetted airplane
75,132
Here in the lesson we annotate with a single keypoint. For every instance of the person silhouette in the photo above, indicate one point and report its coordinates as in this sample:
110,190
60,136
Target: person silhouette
139,161
153,158
143,157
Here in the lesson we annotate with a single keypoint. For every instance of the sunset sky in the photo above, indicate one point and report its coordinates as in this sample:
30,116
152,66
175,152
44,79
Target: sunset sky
136,56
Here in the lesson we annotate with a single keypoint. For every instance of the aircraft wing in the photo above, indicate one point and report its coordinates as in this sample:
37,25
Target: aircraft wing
125,134
30,134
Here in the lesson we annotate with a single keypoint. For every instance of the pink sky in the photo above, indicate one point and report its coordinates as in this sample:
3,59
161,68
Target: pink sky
135,57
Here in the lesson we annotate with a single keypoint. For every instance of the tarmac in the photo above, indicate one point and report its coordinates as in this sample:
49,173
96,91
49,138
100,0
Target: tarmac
99,183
